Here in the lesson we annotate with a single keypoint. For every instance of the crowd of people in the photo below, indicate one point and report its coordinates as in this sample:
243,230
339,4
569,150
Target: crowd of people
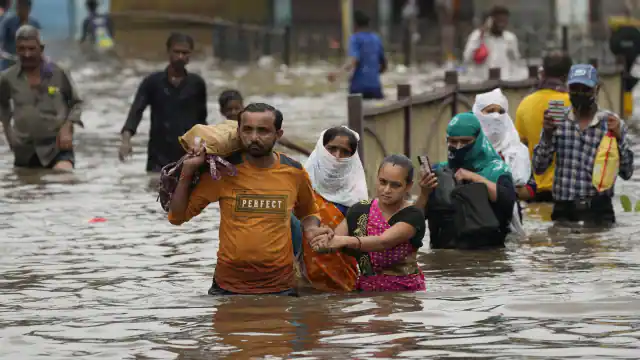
278,214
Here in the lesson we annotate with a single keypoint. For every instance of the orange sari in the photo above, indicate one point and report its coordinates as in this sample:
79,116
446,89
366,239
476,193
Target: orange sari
334,271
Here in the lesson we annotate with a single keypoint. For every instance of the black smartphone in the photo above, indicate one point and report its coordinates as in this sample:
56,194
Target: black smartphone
425,164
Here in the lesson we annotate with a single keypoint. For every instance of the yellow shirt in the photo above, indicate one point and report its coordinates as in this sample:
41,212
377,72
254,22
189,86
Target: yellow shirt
255,254
529,119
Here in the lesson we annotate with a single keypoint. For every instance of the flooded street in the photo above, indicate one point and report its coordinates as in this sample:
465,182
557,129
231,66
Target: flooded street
134,286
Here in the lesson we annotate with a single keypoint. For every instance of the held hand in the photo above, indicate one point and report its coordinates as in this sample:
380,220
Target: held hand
315,233
615,126
428,182
320,243
336,243
548,125
465,175
65,137
125,150
332,76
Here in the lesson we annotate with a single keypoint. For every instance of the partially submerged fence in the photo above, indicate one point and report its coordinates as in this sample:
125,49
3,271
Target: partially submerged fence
415,124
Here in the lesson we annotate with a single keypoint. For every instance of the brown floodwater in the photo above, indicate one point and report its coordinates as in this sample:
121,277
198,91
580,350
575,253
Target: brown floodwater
134,287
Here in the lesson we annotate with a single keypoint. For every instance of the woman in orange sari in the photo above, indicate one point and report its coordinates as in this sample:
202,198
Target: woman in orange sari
338,179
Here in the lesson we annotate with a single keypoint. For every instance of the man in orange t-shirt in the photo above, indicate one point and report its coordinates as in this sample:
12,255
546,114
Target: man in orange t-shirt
255,254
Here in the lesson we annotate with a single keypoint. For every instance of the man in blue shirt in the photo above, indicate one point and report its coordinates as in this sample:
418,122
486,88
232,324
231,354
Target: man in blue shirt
4,7
8,29
366,59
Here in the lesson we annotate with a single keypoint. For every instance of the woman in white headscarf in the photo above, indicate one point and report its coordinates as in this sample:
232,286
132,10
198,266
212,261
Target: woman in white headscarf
492,109
338,178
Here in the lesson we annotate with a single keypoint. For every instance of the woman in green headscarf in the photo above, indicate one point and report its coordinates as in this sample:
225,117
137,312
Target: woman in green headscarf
471,159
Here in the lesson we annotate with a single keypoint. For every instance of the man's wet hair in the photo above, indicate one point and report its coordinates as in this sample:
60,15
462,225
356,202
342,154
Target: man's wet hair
361,19
499,10
333,132
179,38
23,3
557,64
262,107
92,5
228,96
28,32
4,4
402,161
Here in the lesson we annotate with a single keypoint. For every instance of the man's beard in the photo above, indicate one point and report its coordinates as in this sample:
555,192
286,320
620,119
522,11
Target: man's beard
258,152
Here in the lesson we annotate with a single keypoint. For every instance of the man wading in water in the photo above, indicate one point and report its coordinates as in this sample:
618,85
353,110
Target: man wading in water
255,254
178,101
45,107
10,26
366,59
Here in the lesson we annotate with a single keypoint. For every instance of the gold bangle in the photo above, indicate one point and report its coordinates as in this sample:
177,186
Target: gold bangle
359,243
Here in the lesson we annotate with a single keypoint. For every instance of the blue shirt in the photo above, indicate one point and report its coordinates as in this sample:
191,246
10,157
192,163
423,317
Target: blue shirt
8,29
366,48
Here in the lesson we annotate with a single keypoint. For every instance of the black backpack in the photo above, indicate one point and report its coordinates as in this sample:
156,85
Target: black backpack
473,215
442,194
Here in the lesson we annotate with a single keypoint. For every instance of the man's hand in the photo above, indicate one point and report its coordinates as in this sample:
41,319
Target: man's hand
332,76
615,126
196,158
125,149
318,236
65,137
317,233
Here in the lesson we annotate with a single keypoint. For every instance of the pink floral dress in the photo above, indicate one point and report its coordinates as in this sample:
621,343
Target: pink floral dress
395,269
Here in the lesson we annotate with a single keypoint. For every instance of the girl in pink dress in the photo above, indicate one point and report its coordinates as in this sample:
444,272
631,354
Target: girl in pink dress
385,234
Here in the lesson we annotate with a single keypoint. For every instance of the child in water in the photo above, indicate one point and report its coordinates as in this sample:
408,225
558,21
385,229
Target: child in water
231,104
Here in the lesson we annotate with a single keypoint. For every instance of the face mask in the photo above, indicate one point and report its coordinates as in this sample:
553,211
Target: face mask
457,156
493,126
582,102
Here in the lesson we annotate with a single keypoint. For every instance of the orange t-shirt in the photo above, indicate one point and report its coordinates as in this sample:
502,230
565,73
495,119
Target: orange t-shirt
255,254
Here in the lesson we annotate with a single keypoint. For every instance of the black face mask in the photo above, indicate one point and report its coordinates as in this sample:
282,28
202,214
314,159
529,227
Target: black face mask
456,156
582,102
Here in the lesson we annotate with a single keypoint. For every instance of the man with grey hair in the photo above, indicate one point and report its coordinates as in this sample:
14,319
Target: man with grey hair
46,105
10,26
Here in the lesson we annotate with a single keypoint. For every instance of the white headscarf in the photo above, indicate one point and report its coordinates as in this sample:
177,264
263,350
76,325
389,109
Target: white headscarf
504,137
341,181
502,134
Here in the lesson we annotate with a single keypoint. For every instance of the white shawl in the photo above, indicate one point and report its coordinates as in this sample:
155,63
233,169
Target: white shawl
504,137
502,134
341,181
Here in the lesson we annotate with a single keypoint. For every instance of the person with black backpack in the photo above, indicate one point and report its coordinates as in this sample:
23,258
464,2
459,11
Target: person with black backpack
468,201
